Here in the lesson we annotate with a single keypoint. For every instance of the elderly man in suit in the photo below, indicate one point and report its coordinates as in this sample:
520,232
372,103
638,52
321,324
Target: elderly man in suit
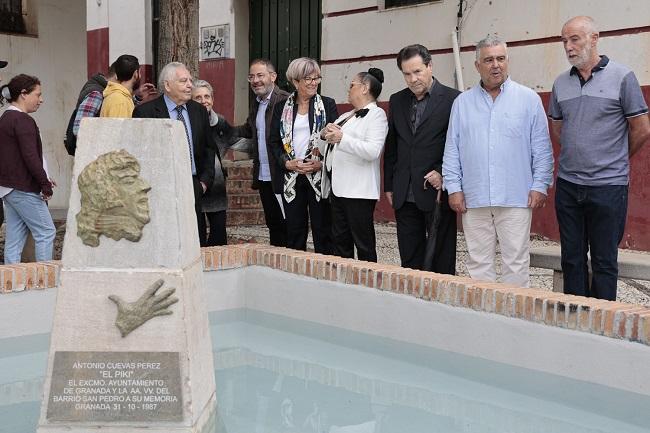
417,128
266,178
176,103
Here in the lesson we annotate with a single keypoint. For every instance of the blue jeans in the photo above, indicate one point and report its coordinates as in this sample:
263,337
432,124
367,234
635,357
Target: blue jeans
27,211
590,218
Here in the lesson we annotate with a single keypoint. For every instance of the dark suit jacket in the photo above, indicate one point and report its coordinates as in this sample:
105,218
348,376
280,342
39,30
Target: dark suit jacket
249,130
202,140
409,156
275,140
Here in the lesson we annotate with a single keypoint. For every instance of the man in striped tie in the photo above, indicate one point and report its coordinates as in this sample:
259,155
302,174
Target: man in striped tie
176,102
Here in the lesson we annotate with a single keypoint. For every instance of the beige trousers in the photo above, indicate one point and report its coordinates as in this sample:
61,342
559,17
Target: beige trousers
510,226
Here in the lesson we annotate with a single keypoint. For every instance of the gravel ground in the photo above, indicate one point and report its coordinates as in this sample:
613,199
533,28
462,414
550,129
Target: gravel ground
635,292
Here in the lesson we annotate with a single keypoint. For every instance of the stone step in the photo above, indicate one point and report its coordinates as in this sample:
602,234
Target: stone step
244,201
245,217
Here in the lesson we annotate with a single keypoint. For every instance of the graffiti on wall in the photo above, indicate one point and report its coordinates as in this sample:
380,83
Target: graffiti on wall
215,42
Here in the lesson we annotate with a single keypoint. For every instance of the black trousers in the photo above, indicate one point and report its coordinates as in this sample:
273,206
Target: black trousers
200,220
304,209
353,226
412,225
273,215
217,223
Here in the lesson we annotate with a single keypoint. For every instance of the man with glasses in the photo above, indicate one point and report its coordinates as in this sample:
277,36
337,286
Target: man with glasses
417,126
266,178
498,165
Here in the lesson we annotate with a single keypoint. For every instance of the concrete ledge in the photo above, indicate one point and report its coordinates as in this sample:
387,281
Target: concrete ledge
630,264
595,316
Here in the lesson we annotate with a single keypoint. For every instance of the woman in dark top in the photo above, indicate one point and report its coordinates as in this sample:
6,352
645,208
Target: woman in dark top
214,202
295,140
24,183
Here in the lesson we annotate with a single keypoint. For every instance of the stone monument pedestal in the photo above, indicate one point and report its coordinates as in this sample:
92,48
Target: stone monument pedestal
130,349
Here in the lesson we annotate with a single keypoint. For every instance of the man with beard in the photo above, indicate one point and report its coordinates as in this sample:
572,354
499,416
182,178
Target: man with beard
118,94
266,179
600,118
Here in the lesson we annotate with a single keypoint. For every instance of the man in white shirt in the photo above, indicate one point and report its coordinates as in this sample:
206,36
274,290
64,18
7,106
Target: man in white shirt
497,166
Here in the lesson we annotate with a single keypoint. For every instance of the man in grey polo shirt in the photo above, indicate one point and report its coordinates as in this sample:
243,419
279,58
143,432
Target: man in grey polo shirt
600,118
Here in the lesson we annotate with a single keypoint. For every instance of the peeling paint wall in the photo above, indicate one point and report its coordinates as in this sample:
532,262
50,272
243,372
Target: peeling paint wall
57,56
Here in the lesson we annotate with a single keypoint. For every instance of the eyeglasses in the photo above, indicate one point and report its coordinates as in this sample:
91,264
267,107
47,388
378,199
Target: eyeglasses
259,77
310,80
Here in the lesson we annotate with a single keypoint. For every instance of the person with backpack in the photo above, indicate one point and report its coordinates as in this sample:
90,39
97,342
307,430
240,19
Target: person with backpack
89,104
90,100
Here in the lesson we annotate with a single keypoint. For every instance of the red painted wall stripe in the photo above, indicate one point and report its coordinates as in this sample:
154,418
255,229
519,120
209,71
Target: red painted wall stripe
97,51
466,48
220,73
351,12
146,74
637,228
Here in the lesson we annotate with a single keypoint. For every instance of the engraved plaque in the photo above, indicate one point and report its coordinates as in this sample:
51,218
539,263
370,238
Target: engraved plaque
115,386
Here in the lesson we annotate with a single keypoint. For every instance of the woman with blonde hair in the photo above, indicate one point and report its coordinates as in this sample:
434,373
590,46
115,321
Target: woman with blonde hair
295,140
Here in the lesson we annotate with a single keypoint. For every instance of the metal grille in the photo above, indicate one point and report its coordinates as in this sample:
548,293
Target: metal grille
282,30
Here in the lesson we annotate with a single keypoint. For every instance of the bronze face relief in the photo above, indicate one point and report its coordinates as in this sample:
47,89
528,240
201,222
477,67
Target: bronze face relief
114,200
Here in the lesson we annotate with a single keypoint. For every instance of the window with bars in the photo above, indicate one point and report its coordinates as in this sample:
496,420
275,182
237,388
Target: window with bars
11,16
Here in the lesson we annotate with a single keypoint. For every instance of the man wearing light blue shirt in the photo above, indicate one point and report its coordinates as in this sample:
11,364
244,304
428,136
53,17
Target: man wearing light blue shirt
497,166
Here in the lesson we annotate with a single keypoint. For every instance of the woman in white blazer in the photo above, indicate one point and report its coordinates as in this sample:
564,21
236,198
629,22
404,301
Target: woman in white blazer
355,142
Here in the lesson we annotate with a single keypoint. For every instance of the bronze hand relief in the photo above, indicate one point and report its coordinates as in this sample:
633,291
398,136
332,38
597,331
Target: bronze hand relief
131,315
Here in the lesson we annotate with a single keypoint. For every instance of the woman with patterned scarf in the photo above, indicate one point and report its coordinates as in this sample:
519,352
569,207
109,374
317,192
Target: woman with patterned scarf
295,140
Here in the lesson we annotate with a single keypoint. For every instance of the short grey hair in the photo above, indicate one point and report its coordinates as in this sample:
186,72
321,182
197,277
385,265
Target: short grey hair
588,24
202,83
489,41
168,73
301,68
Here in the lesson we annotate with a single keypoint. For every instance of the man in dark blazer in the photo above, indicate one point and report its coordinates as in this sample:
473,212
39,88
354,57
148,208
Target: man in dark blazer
176,103
267,179
417,129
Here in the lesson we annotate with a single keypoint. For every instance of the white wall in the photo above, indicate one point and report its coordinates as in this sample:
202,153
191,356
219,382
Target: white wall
385,32
131,29
57,56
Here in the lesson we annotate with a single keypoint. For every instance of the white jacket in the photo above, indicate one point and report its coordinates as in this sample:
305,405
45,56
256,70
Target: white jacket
355,160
